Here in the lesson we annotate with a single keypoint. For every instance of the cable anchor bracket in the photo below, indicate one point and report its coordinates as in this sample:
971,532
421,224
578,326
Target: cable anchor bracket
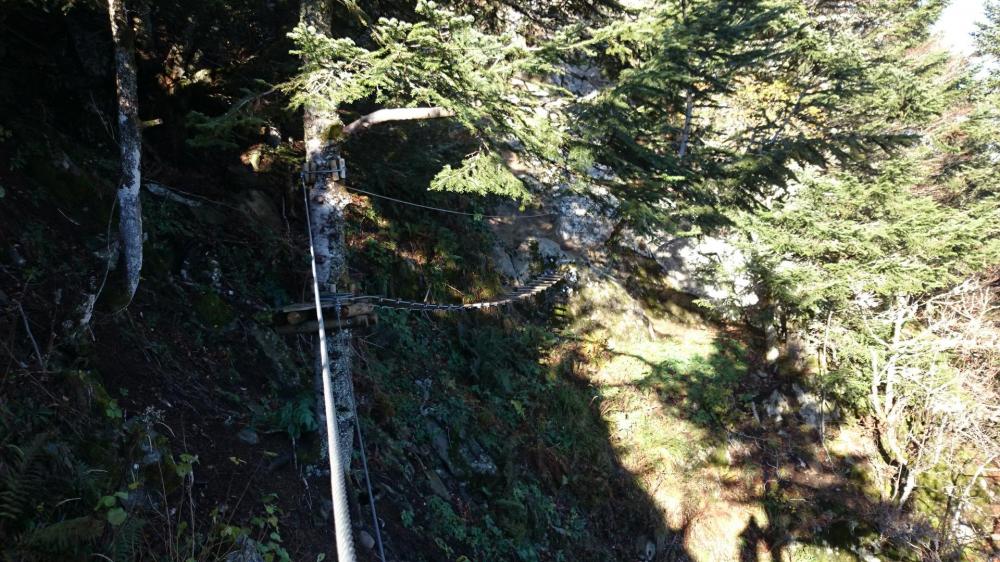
311,172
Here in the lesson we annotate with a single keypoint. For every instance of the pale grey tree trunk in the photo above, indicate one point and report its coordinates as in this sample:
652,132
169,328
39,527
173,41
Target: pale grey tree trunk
963,499
129,141
327,201
686,131
909,485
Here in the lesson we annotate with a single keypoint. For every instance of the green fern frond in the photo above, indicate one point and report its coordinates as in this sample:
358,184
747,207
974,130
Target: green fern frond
62,538
125,544
21,476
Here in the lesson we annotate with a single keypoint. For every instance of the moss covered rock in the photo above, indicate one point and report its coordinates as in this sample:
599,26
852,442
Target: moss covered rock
213,311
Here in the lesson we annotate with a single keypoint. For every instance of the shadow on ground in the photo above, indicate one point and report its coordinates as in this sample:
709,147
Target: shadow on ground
686,402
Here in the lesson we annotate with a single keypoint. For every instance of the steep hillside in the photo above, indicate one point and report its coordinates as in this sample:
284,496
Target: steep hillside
775,338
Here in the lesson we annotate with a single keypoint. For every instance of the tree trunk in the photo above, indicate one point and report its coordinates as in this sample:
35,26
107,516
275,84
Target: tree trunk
129,141
686,131
327,201
963,499
909,484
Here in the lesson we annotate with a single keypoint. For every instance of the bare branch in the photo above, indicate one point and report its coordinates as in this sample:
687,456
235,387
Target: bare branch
167,193
34,344
396,114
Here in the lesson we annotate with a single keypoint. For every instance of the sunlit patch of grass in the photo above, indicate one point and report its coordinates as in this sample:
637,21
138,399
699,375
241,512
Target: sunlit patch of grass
692,375
658,447
668,390
722,531
649,439
669,393
661,399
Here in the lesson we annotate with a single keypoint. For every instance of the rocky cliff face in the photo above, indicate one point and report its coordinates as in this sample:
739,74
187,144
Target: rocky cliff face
708,267
584,215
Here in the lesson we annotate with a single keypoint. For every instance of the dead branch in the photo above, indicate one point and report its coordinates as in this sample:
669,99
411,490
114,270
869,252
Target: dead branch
396,114
31,336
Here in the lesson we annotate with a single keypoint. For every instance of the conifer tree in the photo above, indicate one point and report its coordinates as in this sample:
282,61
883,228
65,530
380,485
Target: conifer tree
988,43
891,263
441,67
713,104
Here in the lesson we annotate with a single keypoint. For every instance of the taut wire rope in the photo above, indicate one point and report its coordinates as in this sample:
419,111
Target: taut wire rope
364,462
451,211
338,484
432,208
364,456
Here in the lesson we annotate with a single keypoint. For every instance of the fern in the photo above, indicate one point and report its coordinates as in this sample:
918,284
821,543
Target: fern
126,540
22,474
24,479
62,538
36,469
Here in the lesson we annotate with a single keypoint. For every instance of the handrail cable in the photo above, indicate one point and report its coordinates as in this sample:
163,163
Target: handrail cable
338,485
429,207
537,285
364,462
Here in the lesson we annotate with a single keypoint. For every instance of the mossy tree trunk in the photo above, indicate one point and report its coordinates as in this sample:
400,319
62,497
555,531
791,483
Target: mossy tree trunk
327,202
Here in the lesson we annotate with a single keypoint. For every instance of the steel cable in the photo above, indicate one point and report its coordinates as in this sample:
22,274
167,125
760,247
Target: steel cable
541,283
338,485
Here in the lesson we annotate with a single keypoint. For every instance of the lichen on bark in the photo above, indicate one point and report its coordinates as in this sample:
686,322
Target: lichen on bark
129,141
